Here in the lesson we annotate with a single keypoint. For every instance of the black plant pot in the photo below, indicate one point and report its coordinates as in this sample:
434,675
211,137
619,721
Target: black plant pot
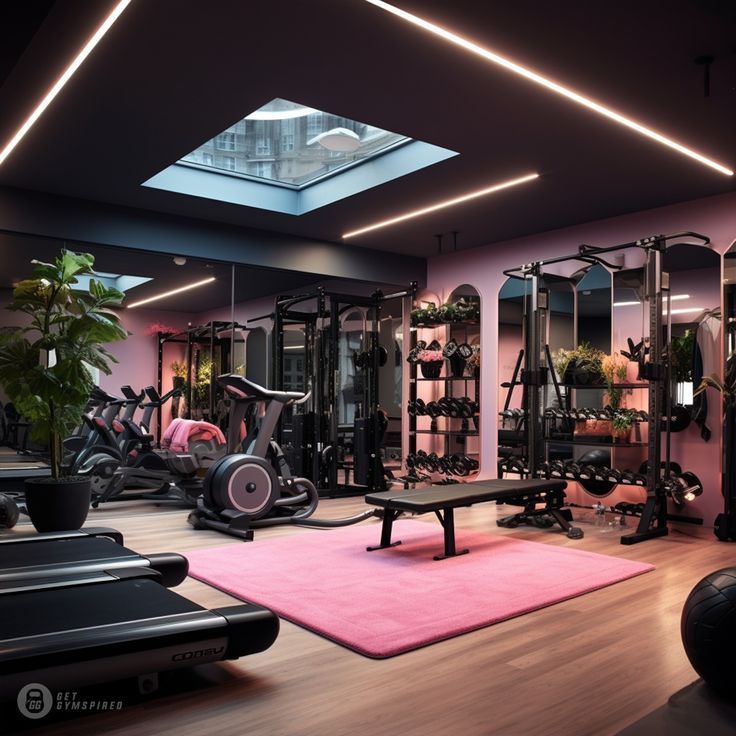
58,505
457,365
432,369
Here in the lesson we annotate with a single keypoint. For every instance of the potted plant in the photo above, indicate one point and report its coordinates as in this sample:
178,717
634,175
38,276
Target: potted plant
584,366
44,371
614,369
430,361
622,424
179,377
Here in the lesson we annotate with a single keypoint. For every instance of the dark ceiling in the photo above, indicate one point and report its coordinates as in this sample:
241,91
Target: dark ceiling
172,73
250,282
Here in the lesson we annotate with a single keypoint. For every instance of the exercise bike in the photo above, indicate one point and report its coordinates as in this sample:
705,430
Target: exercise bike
255,489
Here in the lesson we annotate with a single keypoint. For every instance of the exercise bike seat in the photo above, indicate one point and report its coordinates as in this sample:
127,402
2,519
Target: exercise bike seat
241,389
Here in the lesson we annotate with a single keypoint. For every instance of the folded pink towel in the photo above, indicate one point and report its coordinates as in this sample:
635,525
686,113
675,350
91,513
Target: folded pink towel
181,431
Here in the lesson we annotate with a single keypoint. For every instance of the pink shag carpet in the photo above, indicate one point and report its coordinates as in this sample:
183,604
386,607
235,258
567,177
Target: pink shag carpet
394,600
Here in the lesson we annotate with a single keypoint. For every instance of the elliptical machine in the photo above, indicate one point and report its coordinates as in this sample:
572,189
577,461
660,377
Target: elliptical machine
255,489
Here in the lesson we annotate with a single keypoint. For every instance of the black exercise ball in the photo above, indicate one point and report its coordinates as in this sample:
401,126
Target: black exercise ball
599,459
9,512
708,629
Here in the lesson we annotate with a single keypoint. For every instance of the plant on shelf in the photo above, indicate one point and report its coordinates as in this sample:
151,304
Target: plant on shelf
614,369
472,363
583,365
425,315
465,309
430,361
44,370
179,373
622,424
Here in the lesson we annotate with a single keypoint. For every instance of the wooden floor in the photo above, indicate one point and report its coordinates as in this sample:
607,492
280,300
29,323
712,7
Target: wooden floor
587,666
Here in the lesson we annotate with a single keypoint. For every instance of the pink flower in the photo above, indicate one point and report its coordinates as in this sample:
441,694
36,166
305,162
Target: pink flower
430,356
156,327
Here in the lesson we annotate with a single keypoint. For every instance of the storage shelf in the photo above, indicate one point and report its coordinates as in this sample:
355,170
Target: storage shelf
459,432
462,323
594,443
603,386
589,419
446,378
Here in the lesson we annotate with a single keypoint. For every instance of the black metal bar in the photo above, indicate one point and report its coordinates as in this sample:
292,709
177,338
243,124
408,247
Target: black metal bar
653,521
514,380
588,250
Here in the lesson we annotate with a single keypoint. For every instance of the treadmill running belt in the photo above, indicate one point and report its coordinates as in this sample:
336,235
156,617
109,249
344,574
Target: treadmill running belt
61,609
64,552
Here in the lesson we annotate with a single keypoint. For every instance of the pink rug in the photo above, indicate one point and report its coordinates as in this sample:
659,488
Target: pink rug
393,600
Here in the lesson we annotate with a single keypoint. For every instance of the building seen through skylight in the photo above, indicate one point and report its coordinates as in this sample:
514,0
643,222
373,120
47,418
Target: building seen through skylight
289,144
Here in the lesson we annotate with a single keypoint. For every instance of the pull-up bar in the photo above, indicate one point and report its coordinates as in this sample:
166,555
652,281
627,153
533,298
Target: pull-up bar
591,254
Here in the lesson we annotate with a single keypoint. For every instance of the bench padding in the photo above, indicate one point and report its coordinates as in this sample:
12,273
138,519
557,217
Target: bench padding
436,498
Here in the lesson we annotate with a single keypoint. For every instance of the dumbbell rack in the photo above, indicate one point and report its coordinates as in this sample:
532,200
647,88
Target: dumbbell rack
654,515
456,429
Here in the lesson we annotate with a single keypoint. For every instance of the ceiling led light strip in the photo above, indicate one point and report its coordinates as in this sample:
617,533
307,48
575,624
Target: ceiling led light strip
171,293
549,84
442,205
675,298
64,78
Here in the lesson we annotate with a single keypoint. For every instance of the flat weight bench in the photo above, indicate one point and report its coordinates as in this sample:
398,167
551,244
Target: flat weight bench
443,500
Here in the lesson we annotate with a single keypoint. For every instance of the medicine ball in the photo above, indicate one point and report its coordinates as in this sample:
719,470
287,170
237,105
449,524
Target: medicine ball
708,629
9,512
598,459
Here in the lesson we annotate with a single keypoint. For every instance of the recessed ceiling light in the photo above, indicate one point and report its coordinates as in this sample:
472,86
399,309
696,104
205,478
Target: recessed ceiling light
559,89
180,260
63,79
442,205
171,293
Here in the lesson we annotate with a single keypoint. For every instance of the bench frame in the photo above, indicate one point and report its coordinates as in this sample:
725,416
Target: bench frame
551,513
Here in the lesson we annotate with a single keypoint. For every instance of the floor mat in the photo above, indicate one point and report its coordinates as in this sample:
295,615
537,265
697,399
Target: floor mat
393,600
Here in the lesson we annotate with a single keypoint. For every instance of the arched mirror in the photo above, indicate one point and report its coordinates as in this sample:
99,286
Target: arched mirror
512,437
696,327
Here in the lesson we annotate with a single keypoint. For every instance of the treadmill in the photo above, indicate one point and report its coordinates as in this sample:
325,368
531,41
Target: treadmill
31,561
91,624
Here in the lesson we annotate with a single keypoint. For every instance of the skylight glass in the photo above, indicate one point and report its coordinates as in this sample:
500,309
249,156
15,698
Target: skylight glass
287,143
121,282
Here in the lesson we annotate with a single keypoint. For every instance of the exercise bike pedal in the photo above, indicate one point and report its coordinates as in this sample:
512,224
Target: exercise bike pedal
575,532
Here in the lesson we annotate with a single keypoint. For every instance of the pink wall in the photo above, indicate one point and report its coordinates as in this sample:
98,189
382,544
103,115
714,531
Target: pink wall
483,268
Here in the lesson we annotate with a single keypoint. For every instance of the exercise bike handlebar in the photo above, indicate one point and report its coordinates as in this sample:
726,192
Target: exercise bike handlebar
241,389
154,399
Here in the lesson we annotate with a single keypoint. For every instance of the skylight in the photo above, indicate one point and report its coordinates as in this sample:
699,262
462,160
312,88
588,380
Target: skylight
119,281
289,144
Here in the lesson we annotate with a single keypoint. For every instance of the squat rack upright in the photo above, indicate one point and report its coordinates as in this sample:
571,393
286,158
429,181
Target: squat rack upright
656,371
319,314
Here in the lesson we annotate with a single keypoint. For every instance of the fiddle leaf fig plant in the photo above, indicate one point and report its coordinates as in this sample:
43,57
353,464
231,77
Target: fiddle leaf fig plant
44,365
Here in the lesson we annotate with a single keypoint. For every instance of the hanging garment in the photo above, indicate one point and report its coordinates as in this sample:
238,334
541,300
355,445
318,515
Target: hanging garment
706,357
